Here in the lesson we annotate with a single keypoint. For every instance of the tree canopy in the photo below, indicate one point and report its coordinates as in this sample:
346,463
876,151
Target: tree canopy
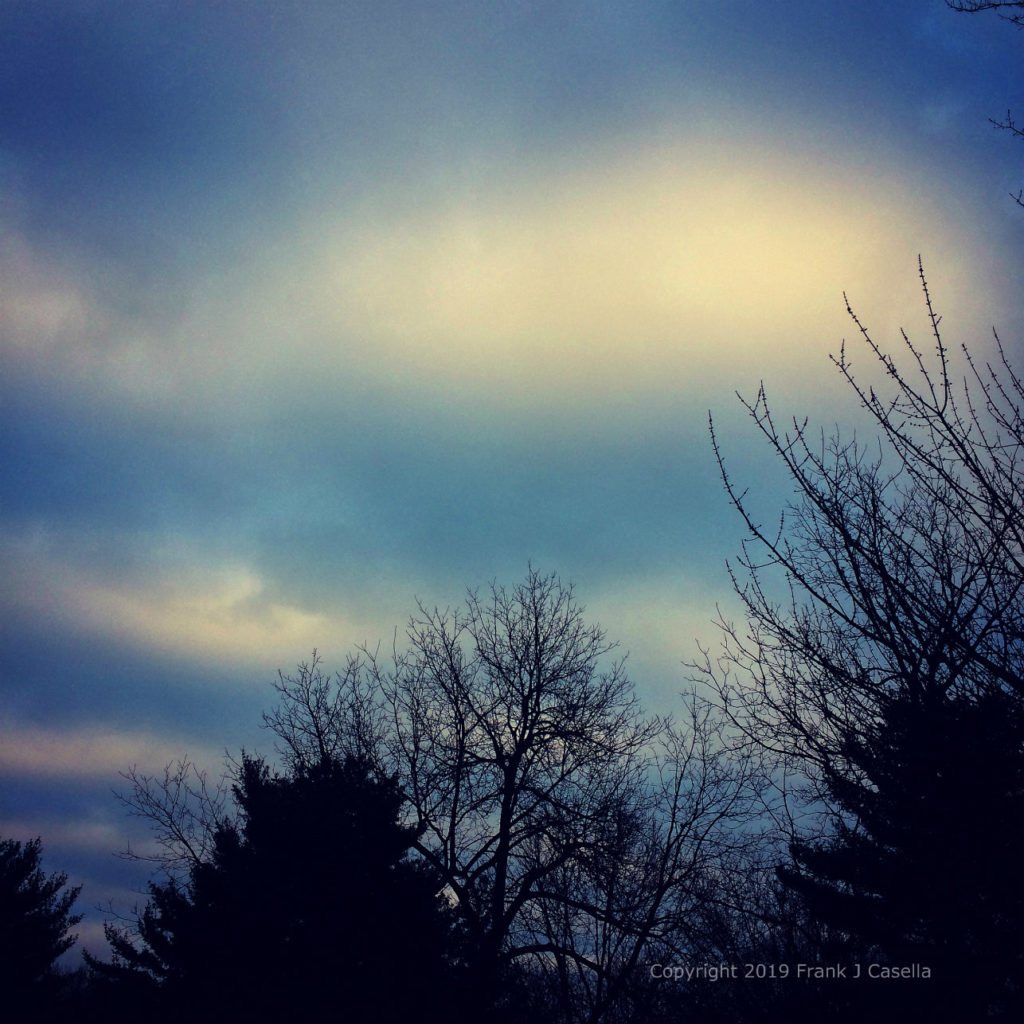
307,902
35,924
573,833
883,665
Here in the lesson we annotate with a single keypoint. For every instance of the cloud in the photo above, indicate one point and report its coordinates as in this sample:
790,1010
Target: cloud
444,383
638,273
233,479
176,601
46,306
84,834
86,752
219,612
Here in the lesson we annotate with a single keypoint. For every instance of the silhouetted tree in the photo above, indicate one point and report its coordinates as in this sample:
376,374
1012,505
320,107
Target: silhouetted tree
35,921
308,905
182,810
568,843
927,868
888,672
643,892
1011,10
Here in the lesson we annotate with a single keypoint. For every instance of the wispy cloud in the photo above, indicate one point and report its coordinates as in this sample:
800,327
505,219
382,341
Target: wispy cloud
176,601
85,751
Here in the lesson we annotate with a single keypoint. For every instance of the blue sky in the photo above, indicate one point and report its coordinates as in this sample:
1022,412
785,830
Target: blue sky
311,309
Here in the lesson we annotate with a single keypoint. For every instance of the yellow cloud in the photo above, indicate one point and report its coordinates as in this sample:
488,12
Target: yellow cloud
649,273
646,274
184,606
222,613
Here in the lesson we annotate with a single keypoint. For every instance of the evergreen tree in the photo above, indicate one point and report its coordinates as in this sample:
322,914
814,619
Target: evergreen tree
308,905
925,867
35,919
886,676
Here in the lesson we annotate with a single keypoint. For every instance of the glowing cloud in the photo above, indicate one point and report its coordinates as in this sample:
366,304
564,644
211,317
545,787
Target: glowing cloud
178,605
648,273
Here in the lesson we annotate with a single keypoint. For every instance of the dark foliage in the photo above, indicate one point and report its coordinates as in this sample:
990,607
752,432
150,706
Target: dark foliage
930,872
885,673
308,906
35,919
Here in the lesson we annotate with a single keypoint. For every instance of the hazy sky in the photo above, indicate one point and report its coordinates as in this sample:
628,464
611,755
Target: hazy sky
310,309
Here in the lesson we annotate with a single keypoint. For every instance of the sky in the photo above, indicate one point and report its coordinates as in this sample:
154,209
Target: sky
309,310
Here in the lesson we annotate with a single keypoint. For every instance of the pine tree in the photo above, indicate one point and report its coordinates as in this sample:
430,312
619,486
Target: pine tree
883,669
925,867
307,904
35,919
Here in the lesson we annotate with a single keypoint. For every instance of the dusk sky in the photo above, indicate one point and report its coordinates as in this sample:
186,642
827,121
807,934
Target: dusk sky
311,309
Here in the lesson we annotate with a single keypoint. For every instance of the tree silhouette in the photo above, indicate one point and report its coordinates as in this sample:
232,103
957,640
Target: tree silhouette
35,918
1011,10
887,671
308,905
930,873
571,831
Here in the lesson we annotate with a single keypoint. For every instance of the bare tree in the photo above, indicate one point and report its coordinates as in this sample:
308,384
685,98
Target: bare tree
183,811
884,634
903,564
321,718
1011,10
645,888
527,766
